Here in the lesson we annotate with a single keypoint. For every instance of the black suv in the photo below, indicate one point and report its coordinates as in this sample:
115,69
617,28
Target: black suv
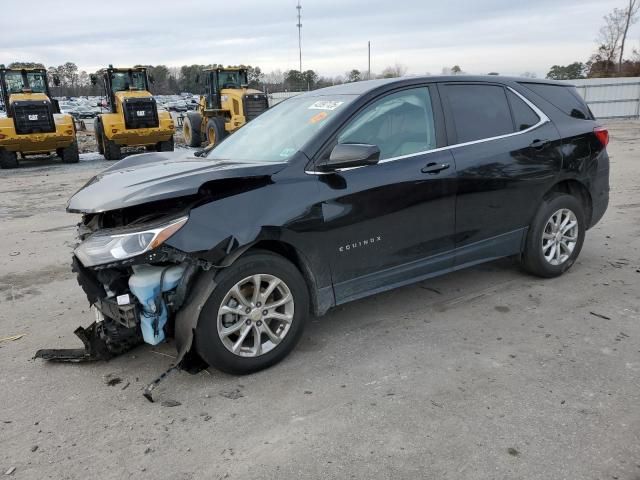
332,196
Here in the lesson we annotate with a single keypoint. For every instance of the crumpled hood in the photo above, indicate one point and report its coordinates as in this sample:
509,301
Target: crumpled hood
149,177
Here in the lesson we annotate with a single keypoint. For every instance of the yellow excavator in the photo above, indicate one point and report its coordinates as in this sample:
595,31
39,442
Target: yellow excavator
133,119
33,124
226,105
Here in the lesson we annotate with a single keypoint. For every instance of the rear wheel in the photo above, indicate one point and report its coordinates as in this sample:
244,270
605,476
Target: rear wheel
166,146
255,316
556,236
191,129
215,131
99,135
70,154
112,150
8,159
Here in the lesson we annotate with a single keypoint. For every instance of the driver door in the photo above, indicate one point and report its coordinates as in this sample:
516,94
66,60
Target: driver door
392,223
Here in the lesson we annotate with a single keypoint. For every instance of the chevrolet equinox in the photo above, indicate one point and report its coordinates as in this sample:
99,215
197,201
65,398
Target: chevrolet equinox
331,196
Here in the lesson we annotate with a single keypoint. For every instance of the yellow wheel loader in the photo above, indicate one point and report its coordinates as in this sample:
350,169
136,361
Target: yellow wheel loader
133,119
33,124
226,105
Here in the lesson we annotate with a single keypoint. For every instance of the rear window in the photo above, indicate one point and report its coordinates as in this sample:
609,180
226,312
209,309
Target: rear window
523,116
479,111
567,99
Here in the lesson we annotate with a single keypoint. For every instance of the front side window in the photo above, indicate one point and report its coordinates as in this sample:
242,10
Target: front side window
277,134
401,123
479,111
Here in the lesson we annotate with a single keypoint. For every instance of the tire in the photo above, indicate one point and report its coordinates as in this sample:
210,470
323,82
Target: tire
8,159
97,131
540,239
112,150
216,352
70,154
166,146
215,131
191,129
150,148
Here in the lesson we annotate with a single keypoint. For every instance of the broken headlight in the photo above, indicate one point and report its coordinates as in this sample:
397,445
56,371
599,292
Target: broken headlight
103,248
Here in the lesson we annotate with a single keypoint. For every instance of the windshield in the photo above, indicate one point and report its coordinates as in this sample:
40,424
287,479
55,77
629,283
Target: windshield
231,79
277,134
122,81
15,82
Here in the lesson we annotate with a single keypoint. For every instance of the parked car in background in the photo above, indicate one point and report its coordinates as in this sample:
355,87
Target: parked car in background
332,196
177,106
84,111
67,107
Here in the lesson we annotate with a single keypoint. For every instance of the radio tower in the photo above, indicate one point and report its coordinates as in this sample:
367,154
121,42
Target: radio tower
299,25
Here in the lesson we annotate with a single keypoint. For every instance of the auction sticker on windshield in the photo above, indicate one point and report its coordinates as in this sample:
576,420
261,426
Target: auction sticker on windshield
325,105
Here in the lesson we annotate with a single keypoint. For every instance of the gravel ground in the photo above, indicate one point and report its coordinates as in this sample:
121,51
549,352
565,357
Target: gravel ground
483,374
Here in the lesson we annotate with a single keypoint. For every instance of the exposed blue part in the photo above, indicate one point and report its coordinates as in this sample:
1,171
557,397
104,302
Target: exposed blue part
145,284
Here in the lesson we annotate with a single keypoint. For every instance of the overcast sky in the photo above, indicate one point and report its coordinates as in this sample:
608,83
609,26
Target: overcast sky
506,36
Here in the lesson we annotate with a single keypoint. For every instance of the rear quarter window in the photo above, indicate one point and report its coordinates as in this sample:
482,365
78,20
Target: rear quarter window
523,116
567,99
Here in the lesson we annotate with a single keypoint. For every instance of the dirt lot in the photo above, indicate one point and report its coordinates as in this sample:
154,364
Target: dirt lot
483,374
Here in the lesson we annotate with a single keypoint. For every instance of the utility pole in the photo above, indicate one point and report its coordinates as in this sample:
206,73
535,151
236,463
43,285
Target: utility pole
299,25
369,69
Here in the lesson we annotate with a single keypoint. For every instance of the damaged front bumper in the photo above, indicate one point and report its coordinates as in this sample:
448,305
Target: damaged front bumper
94,349
134,304
136,286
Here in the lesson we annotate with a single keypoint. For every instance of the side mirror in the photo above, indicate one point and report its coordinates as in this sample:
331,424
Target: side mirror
94,79
197,78
152,79
349,155
56,80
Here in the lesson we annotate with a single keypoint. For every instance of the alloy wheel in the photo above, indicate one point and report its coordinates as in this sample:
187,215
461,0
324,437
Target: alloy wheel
255,315
560,236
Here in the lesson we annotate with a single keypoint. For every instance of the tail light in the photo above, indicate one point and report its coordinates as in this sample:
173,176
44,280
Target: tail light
602,134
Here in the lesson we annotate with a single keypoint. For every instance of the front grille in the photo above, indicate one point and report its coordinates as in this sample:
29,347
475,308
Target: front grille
32,116
140,113
254,105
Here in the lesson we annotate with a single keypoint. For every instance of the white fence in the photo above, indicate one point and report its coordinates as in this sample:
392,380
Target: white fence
611,97
277,97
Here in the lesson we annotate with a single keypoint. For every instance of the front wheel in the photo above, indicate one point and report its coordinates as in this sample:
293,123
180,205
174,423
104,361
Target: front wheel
191,129
215,131
255,316
555,237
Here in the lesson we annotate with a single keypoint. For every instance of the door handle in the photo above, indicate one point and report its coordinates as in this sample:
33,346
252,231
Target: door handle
539,144
433,167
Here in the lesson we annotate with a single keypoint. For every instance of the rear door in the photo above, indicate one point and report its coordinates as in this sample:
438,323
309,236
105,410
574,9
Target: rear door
390,223
507,155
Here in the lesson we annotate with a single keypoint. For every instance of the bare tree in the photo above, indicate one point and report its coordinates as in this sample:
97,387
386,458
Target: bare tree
398,70
611,33
630,17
